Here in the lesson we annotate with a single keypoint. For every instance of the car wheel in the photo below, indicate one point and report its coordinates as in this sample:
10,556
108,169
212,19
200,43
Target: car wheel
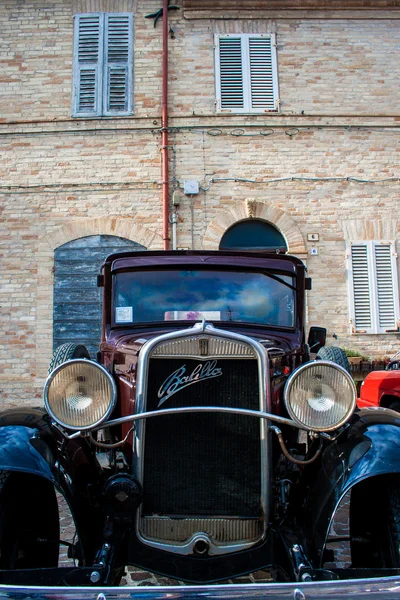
29,523
334,354
375,542
67,352
395,406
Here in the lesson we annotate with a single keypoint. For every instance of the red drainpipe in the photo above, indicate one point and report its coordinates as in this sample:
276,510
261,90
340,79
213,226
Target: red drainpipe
164,126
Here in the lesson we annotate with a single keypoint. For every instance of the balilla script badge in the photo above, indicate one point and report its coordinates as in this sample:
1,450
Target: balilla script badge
179,380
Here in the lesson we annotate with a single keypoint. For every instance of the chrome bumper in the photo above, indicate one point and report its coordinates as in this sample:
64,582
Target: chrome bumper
384,588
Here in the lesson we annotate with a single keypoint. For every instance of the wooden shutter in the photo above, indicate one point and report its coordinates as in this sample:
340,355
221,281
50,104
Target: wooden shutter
118,64
103,64
88,60
262,76
373,287
362,316
385,287
231,73
246,74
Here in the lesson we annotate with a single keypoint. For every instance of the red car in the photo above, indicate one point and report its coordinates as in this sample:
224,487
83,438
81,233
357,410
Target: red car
382,388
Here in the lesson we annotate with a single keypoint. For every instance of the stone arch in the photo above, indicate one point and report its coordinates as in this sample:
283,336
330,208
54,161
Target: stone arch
251,209
123,227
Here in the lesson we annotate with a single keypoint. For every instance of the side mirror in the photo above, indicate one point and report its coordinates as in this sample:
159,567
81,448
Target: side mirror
316,338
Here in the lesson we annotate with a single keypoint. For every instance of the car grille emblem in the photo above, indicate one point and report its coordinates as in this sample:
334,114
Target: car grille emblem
180,379
203,346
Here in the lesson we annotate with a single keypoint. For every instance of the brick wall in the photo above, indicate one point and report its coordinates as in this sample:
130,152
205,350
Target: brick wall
63,178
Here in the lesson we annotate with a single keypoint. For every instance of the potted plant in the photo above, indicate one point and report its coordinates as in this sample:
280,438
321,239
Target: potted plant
356,359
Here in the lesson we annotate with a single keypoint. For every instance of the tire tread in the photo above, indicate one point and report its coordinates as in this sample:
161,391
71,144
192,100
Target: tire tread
66,352
334,354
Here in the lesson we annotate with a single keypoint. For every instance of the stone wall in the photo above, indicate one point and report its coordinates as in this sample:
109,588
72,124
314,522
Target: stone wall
327,163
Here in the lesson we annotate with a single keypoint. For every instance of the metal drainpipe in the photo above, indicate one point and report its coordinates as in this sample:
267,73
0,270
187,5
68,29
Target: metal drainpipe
164,125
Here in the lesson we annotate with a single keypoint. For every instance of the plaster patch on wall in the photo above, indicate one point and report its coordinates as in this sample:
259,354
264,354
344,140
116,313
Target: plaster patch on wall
109,6
377,229
243,26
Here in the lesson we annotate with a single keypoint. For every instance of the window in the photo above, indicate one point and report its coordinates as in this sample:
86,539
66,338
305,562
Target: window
192,295
253,234
103,64
246,73
373,287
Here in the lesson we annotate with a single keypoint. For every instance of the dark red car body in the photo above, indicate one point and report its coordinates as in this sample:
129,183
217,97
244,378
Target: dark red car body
199,468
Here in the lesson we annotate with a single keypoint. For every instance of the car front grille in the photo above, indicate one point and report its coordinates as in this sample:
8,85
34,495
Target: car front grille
202,471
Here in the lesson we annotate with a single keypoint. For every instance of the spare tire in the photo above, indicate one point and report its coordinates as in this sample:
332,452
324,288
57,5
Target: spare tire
67,352
334,354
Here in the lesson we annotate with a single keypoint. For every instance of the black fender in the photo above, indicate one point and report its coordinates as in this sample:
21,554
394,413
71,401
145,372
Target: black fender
29,444
370,447
17,453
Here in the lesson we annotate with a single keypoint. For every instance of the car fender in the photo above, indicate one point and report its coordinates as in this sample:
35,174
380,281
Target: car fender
18,452
369,447
377,385
30,444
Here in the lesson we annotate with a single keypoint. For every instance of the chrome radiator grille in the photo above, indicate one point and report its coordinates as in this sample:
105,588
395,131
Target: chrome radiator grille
202,471
201,346
219,530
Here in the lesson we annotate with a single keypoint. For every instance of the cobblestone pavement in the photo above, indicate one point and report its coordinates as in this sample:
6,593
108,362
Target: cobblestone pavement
135,577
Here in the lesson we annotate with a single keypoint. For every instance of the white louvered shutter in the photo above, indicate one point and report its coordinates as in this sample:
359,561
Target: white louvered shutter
385,287
373,287
231,73
362,310
117,99
262,89
88,59
246,73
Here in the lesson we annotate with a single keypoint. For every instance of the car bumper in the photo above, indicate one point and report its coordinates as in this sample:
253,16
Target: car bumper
384,588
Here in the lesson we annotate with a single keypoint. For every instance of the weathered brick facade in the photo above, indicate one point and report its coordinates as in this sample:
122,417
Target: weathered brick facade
311,168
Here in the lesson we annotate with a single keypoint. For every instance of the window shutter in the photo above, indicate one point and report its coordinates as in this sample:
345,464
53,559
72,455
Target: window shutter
386,311
231,73
362,316
118,90
88,58
246,73
261,73
373,287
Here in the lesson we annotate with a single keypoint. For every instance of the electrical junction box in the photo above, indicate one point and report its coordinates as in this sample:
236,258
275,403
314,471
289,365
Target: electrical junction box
190,186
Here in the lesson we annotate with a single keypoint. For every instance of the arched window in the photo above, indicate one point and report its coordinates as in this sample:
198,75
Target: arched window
77,299
253,234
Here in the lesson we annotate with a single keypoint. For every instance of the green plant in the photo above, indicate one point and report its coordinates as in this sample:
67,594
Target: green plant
355,353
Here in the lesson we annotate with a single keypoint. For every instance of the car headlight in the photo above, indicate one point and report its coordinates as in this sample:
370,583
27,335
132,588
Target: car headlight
80,394
320,395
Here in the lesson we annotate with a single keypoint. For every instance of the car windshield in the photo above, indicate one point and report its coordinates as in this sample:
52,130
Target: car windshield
194,295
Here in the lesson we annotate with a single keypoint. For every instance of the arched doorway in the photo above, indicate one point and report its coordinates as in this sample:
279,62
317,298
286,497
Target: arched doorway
253,234
77,299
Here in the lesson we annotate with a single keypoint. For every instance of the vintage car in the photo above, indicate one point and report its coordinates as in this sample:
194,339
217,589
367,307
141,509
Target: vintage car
201,443
382,388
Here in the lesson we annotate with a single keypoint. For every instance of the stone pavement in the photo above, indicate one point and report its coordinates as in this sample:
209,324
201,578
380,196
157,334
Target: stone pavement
135,577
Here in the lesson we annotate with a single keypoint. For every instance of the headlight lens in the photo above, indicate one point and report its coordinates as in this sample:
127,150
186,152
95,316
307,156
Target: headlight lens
80,394
320,395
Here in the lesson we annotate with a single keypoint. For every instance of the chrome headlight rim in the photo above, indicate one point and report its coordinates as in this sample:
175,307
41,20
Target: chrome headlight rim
110,380
292,378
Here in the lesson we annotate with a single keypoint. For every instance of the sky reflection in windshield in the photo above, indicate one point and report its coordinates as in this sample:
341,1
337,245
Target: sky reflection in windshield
191,295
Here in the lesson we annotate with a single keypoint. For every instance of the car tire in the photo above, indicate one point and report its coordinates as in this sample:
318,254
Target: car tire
375,542
29,522
334,354
67,352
